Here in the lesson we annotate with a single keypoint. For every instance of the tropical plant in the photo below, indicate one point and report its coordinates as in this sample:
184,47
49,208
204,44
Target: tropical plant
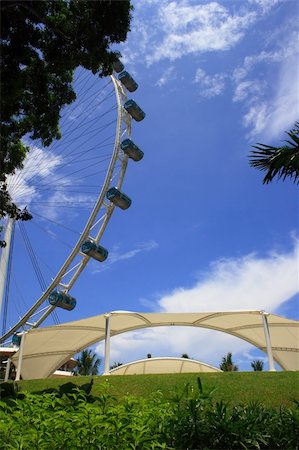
257,365
87,363
281,162
70,417
227,364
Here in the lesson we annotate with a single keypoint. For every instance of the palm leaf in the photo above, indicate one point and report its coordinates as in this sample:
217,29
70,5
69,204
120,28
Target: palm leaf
280,162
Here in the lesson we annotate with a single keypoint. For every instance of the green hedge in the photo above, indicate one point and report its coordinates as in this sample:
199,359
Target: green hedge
71,418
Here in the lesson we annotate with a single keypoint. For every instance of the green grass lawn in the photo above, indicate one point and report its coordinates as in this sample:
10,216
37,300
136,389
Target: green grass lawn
269,388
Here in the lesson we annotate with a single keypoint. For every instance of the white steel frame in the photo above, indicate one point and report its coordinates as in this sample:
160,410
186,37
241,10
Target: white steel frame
94,229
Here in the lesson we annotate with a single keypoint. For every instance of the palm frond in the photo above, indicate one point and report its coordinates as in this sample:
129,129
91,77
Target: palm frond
280,162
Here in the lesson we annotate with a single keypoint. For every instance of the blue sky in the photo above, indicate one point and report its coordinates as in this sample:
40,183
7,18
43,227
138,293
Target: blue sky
203,233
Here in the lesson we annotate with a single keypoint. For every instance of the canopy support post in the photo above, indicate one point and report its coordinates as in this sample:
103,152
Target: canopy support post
7,370
268,342
4,259
20,360
107,344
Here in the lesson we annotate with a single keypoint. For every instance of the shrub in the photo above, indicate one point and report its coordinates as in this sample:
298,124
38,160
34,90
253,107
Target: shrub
70,418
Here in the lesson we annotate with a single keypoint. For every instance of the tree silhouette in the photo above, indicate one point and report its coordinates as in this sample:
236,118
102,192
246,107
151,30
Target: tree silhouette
227,364
115,364
257,365
282,162
87,363
185,355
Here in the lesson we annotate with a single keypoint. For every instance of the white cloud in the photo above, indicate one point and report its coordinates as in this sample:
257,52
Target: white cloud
203,345
38,165
283,109
66,199
190,28
284,50
210,85
256,118
246,283
248,90
36,184
172,29
115,255
272,108
269,119
265,4
167,75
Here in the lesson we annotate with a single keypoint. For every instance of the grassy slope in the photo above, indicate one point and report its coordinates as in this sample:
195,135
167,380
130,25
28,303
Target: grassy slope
271,389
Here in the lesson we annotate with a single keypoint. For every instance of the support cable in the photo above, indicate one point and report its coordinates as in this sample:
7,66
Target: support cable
35,265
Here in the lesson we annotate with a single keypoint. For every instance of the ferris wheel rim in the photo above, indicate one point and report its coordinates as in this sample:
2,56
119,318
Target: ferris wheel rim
122,116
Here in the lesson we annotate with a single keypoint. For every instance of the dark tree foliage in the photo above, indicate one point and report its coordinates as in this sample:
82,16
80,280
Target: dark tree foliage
257,365
281,162
227,364
42,43
115,364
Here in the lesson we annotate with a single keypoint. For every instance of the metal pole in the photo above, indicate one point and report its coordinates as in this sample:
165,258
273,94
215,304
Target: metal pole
5,258
20,360
7,370
268,342
107,345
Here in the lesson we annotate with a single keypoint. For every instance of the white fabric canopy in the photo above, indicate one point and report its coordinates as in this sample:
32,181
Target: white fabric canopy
163,365
46,349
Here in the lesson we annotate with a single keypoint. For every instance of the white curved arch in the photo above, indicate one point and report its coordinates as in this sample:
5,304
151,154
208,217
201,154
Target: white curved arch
46,349
163,365
94,228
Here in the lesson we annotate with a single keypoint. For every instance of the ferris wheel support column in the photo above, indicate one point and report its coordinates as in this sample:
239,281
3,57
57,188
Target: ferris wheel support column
5,258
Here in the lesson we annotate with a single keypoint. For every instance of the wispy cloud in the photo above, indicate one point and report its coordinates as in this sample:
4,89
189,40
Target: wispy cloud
36,184
270,109
116,255
170,30
270,117
210,85
167,75
265,5
189,28
249,282
38,165
248,90
71,203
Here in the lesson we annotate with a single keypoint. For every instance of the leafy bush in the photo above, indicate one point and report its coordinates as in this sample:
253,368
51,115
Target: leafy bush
70,418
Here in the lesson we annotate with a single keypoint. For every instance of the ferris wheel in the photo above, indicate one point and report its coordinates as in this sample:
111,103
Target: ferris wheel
59,185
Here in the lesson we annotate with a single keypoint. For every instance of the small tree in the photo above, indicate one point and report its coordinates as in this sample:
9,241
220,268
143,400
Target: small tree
87,363
149,355
257,365
185,355
227,364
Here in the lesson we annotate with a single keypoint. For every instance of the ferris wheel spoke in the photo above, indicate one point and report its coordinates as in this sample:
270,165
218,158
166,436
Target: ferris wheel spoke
87,247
